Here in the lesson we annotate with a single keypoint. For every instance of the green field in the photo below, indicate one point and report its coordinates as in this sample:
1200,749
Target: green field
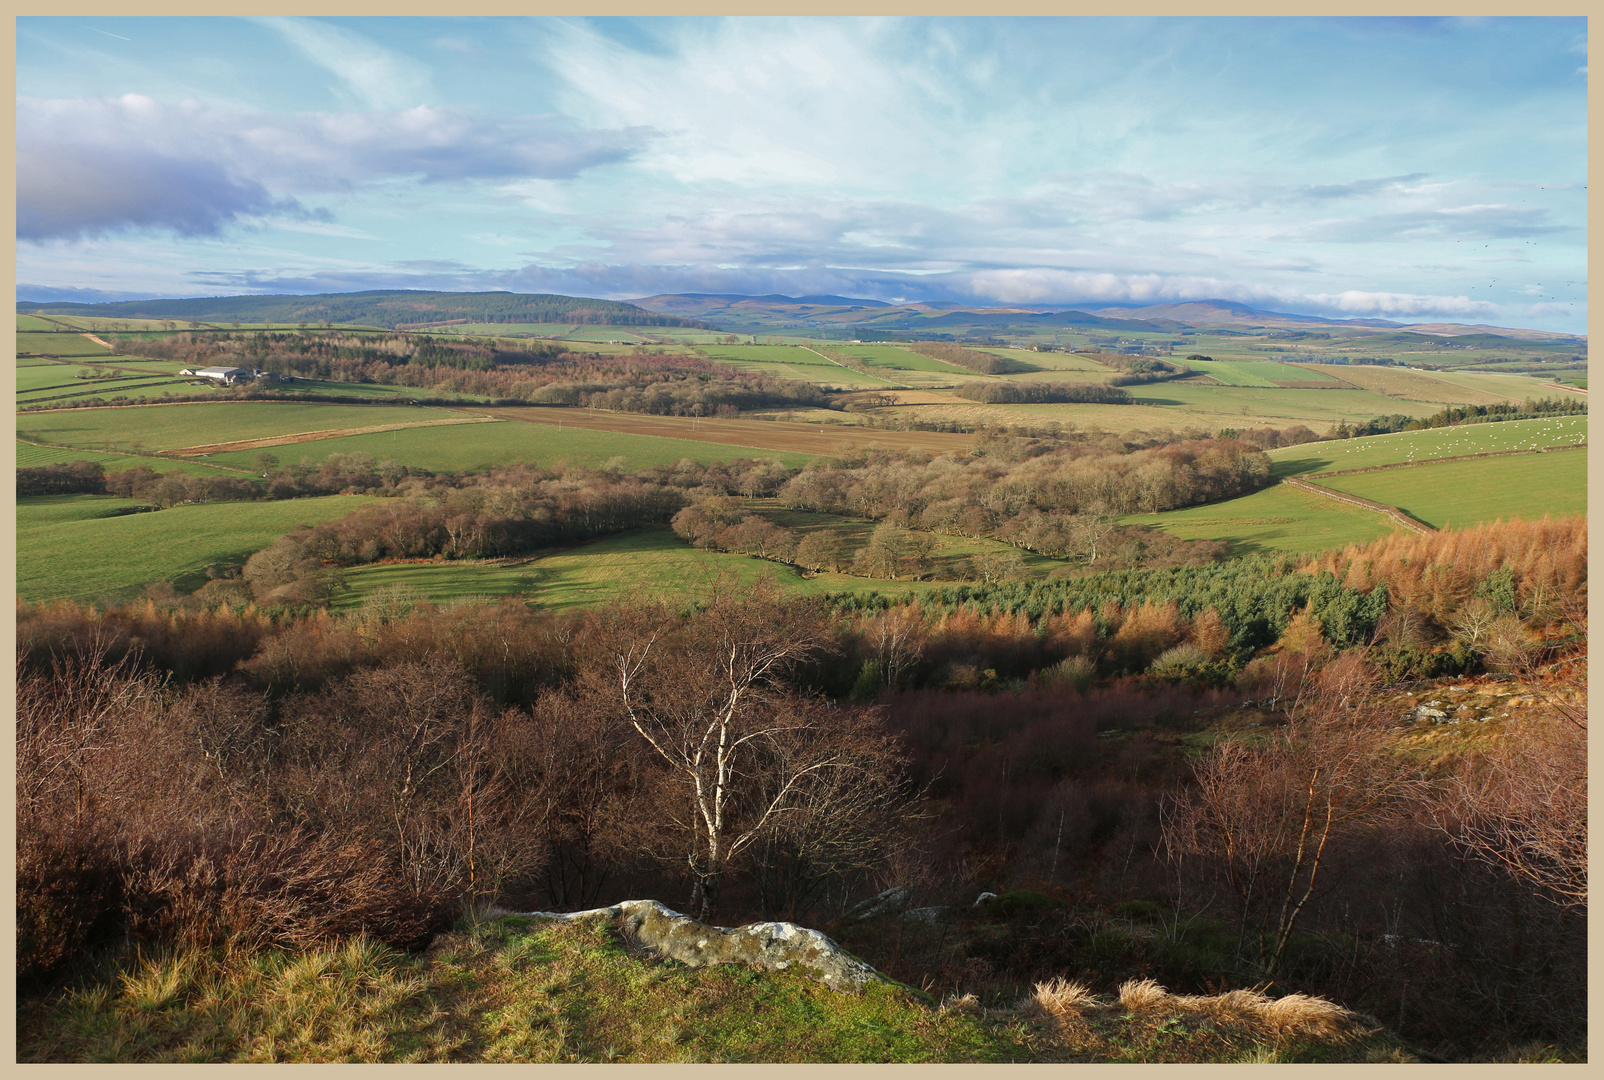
79,546
1407,446
29,456
1276,406
481,446
896,359
788,362
46,376
654,563
43,511
1277,518
26,323
1514,387
153,386
1256,372
1455,494
1184,404
173,426
439,583
561,330
59,344
644,563
1057,362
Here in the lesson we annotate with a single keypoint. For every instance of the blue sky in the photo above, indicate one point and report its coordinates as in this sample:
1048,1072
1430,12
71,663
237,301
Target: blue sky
1413,169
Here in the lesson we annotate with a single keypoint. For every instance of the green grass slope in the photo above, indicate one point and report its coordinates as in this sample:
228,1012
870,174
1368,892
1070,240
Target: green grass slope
29,456
482,446
521,990
1462,493
168,427
1277,518
1407,446
655,562
87,547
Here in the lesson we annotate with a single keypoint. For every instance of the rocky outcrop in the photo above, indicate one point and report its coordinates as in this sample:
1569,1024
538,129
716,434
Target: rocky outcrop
771,946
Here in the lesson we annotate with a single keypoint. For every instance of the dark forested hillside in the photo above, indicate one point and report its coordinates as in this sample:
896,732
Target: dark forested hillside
379,307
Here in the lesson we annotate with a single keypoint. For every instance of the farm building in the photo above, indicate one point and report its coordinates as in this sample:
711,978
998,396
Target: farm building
226,375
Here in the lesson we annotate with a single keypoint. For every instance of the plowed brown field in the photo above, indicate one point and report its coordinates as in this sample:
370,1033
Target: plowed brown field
758,434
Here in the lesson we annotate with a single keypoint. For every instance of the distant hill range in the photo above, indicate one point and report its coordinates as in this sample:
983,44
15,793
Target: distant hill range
756,314
380,307
824,316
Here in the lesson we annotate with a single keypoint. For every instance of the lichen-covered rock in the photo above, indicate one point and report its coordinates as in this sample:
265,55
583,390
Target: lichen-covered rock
772,946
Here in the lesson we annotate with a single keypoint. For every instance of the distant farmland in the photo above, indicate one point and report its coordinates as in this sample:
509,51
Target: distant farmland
1260,373
794,438
168,427
1461,493
1406,446
1440,493
483,446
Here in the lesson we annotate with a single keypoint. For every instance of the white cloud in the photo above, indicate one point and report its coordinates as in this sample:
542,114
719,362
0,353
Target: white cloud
1387,304
86,166
375,76
790,102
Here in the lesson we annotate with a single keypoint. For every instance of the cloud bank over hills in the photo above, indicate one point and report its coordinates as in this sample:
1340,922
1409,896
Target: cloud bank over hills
1428,169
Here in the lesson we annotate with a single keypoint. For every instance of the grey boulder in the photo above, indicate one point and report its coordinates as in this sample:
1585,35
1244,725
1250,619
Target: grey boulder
771,946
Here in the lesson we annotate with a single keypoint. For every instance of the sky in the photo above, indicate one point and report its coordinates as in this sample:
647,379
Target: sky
1407,169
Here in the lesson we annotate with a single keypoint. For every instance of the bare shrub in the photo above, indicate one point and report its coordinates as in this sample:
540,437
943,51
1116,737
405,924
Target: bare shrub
1273,817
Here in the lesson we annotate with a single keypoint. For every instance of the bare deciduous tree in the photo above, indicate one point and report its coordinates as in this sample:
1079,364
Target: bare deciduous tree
707,694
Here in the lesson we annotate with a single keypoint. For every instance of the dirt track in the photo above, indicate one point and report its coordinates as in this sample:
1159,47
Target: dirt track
759,434
314,436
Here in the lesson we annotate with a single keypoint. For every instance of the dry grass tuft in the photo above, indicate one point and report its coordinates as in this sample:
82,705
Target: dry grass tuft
968,1003
1295,1014
1142,995
1301,1014
1061,998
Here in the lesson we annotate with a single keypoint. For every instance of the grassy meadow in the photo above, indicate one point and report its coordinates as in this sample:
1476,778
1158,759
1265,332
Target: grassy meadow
1257,372
656,563
1406,446
1277,518
171,427
30,456
792,362
89,547
1451,494
59,344
483,446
